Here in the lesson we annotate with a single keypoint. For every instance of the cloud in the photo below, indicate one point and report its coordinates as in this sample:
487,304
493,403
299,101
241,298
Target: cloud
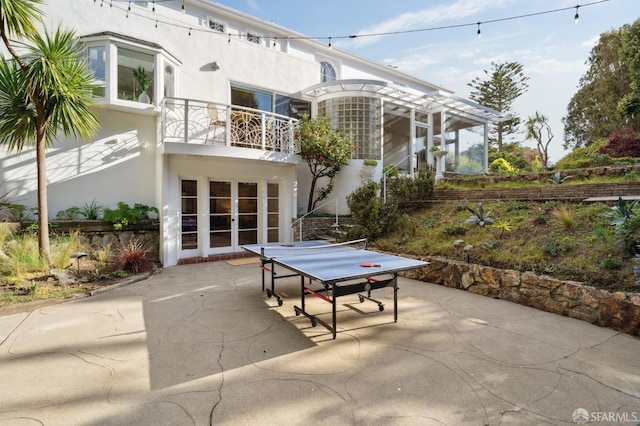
591,42
427,17
412,63
555,66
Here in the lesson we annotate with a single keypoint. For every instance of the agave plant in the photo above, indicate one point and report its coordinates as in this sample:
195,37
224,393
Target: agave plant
557,178
621,212
479,216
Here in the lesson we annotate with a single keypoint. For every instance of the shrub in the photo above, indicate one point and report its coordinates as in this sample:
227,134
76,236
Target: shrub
405,190
371,217
390,170
622,145
501,166
125,215
134,257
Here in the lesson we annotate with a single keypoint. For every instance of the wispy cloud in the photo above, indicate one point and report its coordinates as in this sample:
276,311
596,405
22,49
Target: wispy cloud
427,17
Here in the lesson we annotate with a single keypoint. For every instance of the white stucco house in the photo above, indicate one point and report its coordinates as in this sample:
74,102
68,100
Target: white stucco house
210,142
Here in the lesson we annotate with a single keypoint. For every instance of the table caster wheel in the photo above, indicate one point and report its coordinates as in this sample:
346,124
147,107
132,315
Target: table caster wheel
381,308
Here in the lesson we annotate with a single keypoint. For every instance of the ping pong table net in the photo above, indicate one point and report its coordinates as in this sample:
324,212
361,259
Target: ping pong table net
291,250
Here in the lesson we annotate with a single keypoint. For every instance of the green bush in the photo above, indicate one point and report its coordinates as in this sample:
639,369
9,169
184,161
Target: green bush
370,215
501,166
404,190
126,215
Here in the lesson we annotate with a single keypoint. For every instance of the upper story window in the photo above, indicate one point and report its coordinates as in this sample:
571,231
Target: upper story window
129,72
253,38
98,63
269,101
215,25
327,72
136,75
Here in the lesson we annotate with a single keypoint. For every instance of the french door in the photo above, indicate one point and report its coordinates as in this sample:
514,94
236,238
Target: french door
233,215
220,216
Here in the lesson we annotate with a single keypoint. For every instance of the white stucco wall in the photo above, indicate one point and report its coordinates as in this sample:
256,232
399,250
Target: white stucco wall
110,169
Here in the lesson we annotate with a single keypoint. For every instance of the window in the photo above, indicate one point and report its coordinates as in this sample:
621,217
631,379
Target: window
169,81
189,215
97,63
292,107
273,217
252,99
128,74
216,25
132,66
253,38
264,101
327,72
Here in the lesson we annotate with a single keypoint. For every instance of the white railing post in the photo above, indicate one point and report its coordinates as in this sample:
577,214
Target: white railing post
300,226
186,121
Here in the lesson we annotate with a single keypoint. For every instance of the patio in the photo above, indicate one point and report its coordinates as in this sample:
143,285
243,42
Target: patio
200,344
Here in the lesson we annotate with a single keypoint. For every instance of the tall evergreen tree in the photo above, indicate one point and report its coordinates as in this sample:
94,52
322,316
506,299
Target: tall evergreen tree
46,91
504,83
608,96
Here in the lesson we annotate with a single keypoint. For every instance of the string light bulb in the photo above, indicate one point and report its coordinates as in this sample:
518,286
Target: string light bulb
329,41
479,33
183,10
153,7
576,18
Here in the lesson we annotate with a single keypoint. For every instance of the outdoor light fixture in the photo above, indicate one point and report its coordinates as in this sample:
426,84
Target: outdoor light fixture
215,66
577,16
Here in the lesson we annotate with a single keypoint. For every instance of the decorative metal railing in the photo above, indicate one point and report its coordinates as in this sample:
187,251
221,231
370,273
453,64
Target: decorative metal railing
193,121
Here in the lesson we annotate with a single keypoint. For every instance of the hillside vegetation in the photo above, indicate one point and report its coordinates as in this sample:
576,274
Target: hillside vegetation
563,240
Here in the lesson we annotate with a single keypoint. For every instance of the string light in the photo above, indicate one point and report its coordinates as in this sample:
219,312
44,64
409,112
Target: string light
153,9
156,23
352,36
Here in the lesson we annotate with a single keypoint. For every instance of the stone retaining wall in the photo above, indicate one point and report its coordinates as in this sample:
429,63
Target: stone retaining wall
619,311
540,193
318,227
97,233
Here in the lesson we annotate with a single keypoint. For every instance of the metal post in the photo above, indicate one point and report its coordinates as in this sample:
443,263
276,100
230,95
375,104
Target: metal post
186,121
300,236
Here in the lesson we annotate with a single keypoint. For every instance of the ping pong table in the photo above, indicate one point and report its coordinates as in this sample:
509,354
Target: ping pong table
341,269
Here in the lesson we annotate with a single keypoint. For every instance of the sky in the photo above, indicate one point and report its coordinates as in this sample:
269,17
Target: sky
552,47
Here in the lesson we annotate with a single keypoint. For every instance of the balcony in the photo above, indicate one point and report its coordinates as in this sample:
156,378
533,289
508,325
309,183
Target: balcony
188,121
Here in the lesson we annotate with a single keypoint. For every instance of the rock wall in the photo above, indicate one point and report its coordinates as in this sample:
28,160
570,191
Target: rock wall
619,311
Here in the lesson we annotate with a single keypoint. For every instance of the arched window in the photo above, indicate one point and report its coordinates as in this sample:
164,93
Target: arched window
327,72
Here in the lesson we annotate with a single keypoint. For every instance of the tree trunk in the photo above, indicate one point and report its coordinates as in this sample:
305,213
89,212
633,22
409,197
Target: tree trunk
311,193
43,211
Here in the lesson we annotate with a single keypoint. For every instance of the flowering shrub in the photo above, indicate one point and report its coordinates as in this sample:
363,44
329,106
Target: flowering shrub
325,150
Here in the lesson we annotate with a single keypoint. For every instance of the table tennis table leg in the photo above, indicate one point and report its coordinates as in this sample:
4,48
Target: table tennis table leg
302,310
395,297
333,297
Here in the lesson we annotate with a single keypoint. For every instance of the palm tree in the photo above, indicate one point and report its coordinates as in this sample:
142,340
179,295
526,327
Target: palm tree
43,93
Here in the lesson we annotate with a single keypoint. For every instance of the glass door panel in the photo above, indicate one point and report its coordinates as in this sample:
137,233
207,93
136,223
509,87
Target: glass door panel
220,214
247,213
420,146
189,215
273,213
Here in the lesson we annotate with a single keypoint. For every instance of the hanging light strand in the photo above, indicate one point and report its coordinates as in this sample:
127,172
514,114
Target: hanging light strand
352,36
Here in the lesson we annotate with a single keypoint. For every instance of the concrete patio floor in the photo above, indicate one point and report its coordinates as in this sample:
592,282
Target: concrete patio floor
201,344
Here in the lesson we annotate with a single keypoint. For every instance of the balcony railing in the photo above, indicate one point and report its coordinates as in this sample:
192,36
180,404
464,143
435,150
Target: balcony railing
199,122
